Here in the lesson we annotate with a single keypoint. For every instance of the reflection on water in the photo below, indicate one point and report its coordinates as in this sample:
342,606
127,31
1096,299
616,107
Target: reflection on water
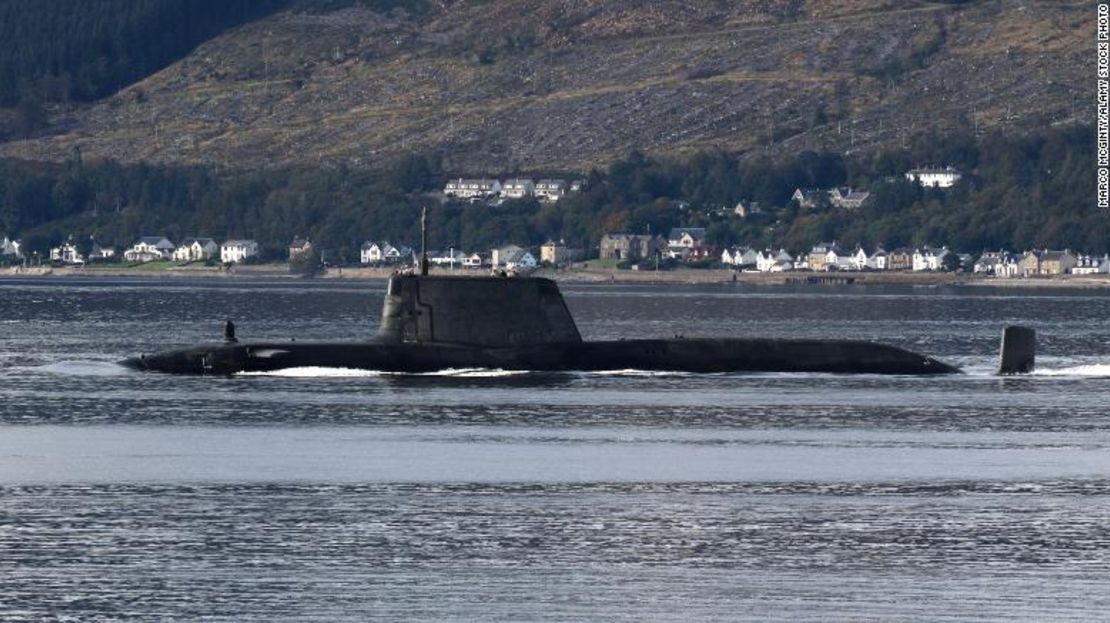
488,495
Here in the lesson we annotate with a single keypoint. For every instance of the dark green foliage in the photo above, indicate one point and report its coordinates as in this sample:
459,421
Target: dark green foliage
87,49
1018,193
30,116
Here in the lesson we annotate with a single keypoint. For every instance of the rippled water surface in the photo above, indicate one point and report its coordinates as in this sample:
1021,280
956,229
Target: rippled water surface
336,495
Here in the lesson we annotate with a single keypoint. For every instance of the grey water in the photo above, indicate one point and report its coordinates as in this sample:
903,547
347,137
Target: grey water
338,495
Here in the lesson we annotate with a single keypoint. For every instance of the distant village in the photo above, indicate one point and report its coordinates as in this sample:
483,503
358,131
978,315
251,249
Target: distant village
682,246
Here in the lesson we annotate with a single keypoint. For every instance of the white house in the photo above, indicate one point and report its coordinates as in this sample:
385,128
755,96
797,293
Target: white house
934,177
929,258
1091,265
149,249
840,259
878,260
196,250
860,260
740,257
100,253
518,188
683,239
373,252
452,258
808,197
474,260
550,190
1009,267
472,189
769,261
66,253
234,251
10,248
512,257
383,253
989,261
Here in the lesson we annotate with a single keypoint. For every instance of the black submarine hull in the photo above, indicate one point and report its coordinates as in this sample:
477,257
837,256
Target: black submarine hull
680,354
433,323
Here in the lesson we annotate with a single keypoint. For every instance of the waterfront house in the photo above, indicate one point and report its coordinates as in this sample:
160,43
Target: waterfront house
299,248
373,252
550,190
518,188
383,253
988,262
234,251
769,261
512,257
579,185
701,253
839,258
100,253
998,264
9,249
900,258
934,177
451,258
929,258
828,256
474,260
630,247
859,259
472,189
196,250
559,254
740,257
149,249
66,253
682,240
1045,262
878,260
1091,265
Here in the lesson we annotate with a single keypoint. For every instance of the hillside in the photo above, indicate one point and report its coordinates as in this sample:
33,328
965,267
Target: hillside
535,85
85,50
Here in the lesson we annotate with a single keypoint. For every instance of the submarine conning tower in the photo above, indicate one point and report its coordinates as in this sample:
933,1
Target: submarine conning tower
479,312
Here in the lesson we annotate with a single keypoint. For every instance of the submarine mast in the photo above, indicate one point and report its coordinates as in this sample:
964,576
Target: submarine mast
424,242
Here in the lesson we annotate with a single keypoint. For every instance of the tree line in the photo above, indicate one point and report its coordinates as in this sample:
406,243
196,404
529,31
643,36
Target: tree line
1018,192
83,50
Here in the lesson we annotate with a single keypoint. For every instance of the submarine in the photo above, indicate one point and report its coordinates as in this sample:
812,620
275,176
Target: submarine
431,323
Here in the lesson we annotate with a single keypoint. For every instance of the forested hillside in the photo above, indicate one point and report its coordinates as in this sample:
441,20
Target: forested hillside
83,50
495,86
1019,192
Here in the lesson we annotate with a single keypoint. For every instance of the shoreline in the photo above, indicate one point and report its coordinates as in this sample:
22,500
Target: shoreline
575,276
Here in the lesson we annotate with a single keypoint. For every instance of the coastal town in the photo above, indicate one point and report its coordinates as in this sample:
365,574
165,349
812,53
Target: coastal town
682,247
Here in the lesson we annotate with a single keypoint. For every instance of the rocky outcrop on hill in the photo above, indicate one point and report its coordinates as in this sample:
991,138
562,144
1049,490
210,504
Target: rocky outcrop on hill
512,85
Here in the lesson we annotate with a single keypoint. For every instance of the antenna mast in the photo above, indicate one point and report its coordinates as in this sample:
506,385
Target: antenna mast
424,242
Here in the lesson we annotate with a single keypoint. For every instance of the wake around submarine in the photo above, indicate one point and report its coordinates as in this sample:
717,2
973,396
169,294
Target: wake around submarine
433,323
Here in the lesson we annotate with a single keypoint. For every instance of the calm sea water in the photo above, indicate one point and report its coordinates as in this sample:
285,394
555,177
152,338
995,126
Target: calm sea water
337,495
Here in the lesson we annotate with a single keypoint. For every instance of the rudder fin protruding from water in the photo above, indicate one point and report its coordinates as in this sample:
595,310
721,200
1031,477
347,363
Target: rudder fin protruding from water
1019,349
